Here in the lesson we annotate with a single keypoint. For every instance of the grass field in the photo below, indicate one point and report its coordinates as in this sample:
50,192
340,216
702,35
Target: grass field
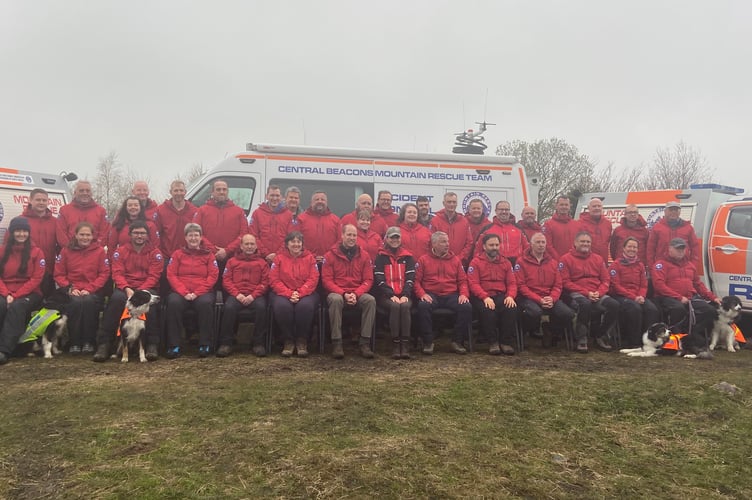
541,424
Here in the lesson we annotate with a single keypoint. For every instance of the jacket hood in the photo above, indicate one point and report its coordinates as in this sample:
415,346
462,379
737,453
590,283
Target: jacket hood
254,256
265,207
442,213
448,255
310,211
401,252
640,222
213,203
511,220
29,213
561,218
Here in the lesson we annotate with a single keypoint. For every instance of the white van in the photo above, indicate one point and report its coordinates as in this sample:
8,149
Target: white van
345,174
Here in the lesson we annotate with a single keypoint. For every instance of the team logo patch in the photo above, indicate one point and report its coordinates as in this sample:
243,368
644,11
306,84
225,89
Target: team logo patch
561,265
659,266
273,265
170,262
59,258
215,264
516,267
470,269
613,272
42,262
158,256
106,262
116,255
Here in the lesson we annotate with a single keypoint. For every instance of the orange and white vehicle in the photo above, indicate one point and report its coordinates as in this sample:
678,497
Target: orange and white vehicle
723,223
345,174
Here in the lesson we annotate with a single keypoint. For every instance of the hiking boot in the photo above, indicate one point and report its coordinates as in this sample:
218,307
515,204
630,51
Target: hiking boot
428,349
224,351
405,349
494,349
337,351
152,353
103,352
74,349
507,349
458,348
88,348
173,352
301,345
3,358
603,344
288,348
259,350
365,348
203,351
582,347
397,349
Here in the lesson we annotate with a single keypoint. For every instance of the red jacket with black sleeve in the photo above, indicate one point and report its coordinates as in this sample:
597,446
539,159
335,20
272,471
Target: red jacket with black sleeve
458,229
320,231
538,279
341,275
43,235
491,277
584,273
73,213
290,273
560,231
416,239
677,279
137,270
440,276
82,268
21,285
662,233
639,232
192,271
223,225
246,274
628,279
270,227
394,273
171,223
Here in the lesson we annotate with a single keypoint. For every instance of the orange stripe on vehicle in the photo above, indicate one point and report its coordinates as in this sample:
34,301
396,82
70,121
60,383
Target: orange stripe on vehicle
258,157
652,197
10,183
525,201
318,160
8,170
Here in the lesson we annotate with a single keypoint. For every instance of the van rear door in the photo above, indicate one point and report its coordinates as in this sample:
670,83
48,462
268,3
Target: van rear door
729,256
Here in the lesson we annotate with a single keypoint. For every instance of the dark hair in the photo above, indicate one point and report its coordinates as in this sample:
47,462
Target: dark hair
136,224
421,199
121,219
25,254
489,236
631,238
295,235
35,192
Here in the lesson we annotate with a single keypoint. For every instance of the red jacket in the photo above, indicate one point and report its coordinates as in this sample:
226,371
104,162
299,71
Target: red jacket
394,273
85,268
440,276
600,231
560,232
270,228
388,217
416,239
536,280
477,227
192,271
370,242
171,223
12,283
529,229
628,279
137,270
222,224
458,229
290,273
378,225
489,278
341,275
584,273
151,210
43,235
117,238
622,232
73,213
677,279
662,233
320,232
513,240
246,274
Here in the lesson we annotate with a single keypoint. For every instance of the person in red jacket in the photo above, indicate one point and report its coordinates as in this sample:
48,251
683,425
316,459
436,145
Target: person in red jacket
632,225
598,226
136,265
456,226
477,219
424,211
192,273
347,276
493,288
245,281
82,208
560,229
629,287
528,224
172,216
22,267
672,226
292,202
223,222
269,224
130,211
364,203
140,190
385,210
440,281
539,285
320,227
513,240
585,281
83,268
294,277
416,238
677,285
394,279
368,240
43,226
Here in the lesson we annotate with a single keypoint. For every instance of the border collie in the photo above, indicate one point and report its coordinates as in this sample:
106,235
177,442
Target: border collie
722,333
133,323
652,341
55,335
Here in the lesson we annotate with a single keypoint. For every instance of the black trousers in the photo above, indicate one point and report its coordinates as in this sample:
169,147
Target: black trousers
230,318
497,325
14,317
204,307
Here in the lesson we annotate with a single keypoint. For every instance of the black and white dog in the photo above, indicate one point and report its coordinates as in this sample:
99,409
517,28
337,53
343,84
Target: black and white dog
722,333
133,323
55,335
652,341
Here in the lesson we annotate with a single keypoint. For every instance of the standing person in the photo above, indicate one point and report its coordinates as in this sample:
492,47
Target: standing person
22,268
597,226
455,225
82,208
513,240
192,273
136,265
292,202
384,209
440,281
528,224
320,227
424,211
560,229
347,276
246,281
415,238
586,282
632,225
269,224
394,278
368,240
672,226
477,219
43,226
140,190
364,203
130,211
172,216
629,287
294,277
83,268
493,289
539,284
223,222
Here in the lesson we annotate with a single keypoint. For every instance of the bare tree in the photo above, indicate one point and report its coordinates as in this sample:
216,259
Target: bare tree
109,183
677,168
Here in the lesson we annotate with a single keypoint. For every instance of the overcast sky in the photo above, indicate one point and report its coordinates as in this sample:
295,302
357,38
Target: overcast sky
168,84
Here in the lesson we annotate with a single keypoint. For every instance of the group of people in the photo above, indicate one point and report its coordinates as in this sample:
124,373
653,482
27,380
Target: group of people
285,262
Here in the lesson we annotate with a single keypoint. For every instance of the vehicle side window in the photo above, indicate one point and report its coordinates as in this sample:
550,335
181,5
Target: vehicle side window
241,191
341,196
740,222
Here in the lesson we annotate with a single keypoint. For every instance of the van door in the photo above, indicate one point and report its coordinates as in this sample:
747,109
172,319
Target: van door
729,256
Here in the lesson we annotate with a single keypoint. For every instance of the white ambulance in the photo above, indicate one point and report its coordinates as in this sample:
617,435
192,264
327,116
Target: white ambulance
345,174
723,223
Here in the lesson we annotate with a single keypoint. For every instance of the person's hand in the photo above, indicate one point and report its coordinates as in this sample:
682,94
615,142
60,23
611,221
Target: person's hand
9,299
221,254
129,292
463,299
640,299
684,300
403,300
427,298
509,302
489,303
270,257
396,299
